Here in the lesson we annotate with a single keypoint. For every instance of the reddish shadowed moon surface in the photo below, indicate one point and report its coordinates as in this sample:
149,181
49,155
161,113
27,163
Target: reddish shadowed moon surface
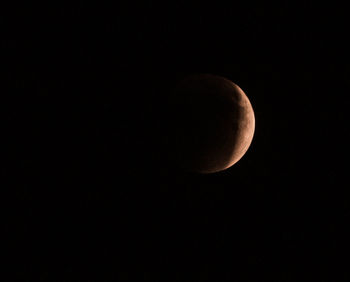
213,123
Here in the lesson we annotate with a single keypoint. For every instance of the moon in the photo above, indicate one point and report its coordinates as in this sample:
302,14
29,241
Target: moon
212,123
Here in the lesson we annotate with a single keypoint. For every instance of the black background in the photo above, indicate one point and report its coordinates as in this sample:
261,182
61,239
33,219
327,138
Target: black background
89,195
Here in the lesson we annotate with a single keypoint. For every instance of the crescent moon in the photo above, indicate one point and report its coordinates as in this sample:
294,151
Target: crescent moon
245,128
213,123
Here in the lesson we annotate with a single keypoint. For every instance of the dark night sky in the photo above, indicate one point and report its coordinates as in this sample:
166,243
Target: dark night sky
84,110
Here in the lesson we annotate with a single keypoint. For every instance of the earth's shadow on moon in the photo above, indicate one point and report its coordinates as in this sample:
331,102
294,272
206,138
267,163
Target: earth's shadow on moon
206,124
